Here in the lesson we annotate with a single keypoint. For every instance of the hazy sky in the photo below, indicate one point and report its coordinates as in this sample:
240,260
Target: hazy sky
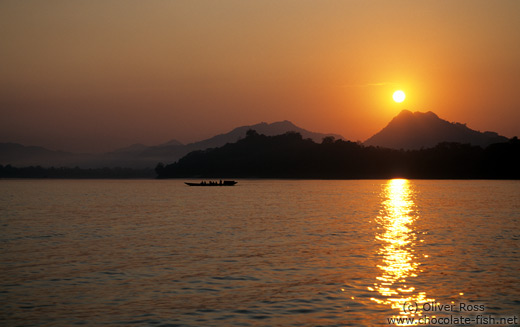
96,75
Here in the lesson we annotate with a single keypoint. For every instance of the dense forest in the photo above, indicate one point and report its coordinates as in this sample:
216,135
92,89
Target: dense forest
9,171
291,156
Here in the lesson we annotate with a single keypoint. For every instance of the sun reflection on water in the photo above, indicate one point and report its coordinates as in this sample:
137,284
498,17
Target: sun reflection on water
399,260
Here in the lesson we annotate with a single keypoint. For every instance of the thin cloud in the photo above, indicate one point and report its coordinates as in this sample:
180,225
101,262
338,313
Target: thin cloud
367,85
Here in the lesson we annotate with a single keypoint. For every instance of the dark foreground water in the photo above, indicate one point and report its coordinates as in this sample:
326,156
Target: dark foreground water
262,253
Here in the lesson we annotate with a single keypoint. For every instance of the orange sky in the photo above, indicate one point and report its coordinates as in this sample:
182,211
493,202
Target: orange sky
97,75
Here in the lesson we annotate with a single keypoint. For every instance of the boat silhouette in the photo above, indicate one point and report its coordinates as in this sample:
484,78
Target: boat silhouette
220,183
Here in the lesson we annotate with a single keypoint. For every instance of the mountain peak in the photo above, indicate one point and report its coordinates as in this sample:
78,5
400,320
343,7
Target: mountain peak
431,114
269,129
405,113
172,142
425,129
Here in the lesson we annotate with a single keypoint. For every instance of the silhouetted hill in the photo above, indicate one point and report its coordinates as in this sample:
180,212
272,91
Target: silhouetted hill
140,156
171,142
172,151
21,155
425,130
272,129
291,156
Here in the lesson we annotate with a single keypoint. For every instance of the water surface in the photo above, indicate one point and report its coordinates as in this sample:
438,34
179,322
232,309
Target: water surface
262,253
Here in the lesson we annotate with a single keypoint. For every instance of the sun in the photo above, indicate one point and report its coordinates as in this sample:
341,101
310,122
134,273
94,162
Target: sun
399,96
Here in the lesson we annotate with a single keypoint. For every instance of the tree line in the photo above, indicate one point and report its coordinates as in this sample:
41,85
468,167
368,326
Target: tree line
291,156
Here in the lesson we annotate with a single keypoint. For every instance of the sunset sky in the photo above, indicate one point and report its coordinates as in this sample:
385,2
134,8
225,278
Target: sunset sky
97,75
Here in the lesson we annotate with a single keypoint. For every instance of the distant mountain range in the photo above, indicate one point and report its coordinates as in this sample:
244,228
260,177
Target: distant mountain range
406,131
418,130
139,155
21,155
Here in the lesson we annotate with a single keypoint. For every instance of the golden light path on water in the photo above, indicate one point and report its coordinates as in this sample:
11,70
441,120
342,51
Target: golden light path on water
399,261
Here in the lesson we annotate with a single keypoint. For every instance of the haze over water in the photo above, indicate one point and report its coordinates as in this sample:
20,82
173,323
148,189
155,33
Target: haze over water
262,253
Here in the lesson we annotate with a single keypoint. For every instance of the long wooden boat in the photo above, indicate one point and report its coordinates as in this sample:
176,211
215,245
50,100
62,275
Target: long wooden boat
220,183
